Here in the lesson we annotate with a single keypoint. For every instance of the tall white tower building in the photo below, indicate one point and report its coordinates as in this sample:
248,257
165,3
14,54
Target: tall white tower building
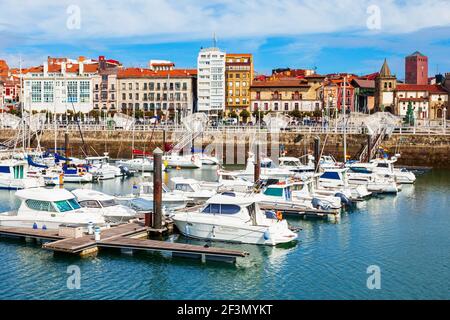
211,81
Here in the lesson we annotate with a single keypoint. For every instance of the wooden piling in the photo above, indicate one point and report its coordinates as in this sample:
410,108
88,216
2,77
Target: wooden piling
66,144
316,154
369,148
257,166
157,188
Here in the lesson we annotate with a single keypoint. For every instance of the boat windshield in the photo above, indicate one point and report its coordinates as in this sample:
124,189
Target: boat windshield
108,203
216,208
67,205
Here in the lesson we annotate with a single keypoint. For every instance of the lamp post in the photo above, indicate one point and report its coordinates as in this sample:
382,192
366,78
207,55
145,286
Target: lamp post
444,120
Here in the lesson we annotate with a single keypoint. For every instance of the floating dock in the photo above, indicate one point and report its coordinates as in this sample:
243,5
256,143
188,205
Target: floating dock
127,237
301,211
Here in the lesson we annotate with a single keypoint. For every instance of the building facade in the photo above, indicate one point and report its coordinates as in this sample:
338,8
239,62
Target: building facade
105,85
211,81
385,86
416,69
59,86
427,101
238,77
170,94
286,95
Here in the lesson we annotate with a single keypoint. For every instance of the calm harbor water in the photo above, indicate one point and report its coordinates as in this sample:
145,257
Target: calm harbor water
406,236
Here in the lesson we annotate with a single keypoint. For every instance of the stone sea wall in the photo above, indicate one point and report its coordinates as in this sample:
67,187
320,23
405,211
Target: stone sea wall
415,150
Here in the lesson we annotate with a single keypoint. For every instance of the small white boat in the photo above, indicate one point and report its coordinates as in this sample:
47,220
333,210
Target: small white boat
209,160
78,174
363,174
48,209
101,169
139,164
336,180
144,190
14,175
305,190
233,219
192,189
385,167
295,165
53,176
268,170
183,161
229,181
105,204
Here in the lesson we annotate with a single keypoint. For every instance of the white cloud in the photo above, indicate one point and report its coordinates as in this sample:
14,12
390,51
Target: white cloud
44,21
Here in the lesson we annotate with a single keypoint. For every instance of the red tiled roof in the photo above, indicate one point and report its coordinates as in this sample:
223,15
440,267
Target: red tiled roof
434,88
288,83
144,73
413,99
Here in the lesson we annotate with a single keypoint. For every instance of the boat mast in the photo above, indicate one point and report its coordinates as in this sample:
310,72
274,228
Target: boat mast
343,119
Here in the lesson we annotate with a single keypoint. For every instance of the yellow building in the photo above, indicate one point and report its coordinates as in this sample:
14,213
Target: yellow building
238,78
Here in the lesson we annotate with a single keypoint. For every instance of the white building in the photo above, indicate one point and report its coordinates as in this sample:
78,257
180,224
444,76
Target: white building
211,81
60,85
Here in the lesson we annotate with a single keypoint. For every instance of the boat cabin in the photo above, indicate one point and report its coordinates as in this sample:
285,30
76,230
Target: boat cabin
279,190
13,169
94,199
55,200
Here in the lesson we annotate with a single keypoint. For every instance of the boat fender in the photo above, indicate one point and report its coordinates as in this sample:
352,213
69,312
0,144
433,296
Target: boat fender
266,235
35,226
186,230
279,215
44,227
318,204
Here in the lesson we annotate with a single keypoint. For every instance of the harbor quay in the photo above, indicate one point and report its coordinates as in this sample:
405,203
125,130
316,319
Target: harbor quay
422,148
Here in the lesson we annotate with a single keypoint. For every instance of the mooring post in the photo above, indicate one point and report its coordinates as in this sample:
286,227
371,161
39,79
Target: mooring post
164,141
316,154
369,148
66,144
157,188
257,170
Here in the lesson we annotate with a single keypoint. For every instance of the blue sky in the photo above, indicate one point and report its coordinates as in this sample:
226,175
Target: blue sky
333,35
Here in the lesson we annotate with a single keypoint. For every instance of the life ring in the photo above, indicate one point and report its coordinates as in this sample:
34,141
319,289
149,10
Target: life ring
279,215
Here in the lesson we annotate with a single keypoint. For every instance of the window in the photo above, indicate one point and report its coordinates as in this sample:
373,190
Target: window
85,91
124,87
330,175
221,209
36,91
48,91
286,107
275,192
72,91
184,187
90,204
63,206
151,86
108,203
40,205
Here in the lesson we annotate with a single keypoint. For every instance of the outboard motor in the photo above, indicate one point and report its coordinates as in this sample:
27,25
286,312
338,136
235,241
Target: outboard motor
318,204
345,201
125,171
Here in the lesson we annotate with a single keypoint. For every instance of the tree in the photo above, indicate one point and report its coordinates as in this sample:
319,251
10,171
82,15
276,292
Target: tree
244,115
409,118
233,114
295,114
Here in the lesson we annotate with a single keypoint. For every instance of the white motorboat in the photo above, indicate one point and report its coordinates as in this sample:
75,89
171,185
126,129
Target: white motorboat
107,205
385,167
192,189
139,164
144,190
183,161
53,176
14,175
295,165
209,160
101,169
305,190
329,162
48,209
78,174
233,219
336,180
362,173
268,170
228,181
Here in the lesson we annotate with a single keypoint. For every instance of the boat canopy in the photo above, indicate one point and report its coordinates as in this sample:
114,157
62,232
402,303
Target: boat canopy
34,164
233,200
44,194
86,194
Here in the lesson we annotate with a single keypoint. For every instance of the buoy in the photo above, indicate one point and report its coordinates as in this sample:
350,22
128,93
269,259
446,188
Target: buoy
266,235
186,229
44,227
35,226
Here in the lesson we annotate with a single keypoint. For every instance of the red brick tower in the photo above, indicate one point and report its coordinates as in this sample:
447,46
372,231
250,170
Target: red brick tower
416,69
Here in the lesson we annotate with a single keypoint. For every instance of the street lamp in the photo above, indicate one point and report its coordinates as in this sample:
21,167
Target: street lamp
444,120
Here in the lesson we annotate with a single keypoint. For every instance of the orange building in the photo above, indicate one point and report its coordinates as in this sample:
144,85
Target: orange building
238,78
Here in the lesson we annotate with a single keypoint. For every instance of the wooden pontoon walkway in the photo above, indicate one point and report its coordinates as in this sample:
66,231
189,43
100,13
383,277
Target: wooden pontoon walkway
122,237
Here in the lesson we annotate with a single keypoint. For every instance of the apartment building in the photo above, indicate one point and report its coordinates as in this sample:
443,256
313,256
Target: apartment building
105,85
169,93
238,77
60,85
211,81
